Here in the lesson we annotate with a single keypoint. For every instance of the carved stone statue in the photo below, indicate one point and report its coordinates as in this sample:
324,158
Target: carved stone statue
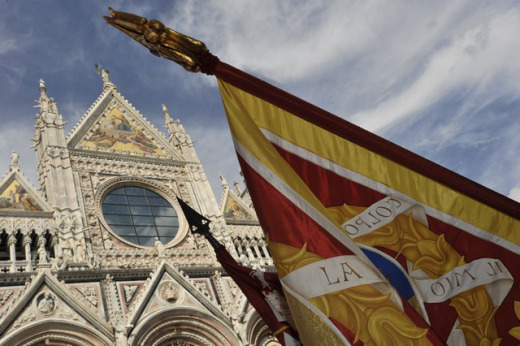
58,263
191,242
169,292
42,253
104,75
80,251
159,247
14,158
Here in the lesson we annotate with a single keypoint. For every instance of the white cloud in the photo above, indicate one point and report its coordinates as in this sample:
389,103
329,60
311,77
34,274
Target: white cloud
7,45
11,77
475,59
515,193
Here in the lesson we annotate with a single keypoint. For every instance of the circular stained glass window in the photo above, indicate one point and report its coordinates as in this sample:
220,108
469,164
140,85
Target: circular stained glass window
139,215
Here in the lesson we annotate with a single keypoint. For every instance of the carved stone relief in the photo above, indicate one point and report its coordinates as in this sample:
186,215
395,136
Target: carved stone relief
129,291
4,295
27,316
46,303
169,292
90,293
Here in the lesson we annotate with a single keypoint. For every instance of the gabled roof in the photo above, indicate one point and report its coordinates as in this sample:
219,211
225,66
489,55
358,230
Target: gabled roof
162,275
113,125
19,198
65,305
234,209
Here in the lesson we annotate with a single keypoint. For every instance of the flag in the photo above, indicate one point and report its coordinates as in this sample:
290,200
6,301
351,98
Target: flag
337,202
346,213
264,292
262,289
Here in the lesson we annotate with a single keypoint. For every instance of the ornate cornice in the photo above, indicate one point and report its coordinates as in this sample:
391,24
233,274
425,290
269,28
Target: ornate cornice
79,154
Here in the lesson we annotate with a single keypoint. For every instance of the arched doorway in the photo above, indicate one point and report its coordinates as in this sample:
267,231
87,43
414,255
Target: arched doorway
57,333
183,327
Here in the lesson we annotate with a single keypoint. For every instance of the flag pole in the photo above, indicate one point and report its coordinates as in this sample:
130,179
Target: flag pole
259,287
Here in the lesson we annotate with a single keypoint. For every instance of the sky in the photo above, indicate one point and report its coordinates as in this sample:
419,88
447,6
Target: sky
440,78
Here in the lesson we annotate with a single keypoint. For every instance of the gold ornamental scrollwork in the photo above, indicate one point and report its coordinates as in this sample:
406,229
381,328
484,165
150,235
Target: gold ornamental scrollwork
365,311
164,42
435,256
515,331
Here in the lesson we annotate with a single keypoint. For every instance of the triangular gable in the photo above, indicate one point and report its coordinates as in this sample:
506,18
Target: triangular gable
113,125
129,291
235,210
46,298
167,288
17,195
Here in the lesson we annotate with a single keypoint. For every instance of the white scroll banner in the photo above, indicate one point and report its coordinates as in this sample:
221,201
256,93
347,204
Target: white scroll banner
331,275
377,215
483,271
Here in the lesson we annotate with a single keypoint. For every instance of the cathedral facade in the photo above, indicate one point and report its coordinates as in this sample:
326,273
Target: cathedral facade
101,253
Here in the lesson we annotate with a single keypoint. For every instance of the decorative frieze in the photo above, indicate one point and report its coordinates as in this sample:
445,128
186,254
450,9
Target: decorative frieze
90,293
129,291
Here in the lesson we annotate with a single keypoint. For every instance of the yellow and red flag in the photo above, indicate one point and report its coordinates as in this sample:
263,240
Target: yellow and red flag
346,211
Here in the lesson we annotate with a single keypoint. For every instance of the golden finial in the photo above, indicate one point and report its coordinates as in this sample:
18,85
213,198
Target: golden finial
164,42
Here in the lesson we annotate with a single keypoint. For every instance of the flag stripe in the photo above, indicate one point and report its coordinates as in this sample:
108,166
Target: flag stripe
263,157
288,201
346,153
274,213
299,156
365,139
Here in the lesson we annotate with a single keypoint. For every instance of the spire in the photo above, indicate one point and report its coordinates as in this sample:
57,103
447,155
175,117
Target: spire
104,75
168,122
43,101
53,106
48,107
43,89
166,114
180,127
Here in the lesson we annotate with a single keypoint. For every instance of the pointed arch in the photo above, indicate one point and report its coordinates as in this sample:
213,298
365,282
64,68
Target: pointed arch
49,332
182,324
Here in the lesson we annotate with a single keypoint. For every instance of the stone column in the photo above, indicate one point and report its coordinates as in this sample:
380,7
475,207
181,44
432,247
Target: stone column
257,251
11,241
250,254
26,240
269,259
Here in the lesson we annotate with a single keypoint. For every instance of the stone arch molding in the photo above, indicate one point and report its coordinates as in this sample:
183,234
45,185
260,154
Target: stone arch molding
182,324
152,185
257,332
57,332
